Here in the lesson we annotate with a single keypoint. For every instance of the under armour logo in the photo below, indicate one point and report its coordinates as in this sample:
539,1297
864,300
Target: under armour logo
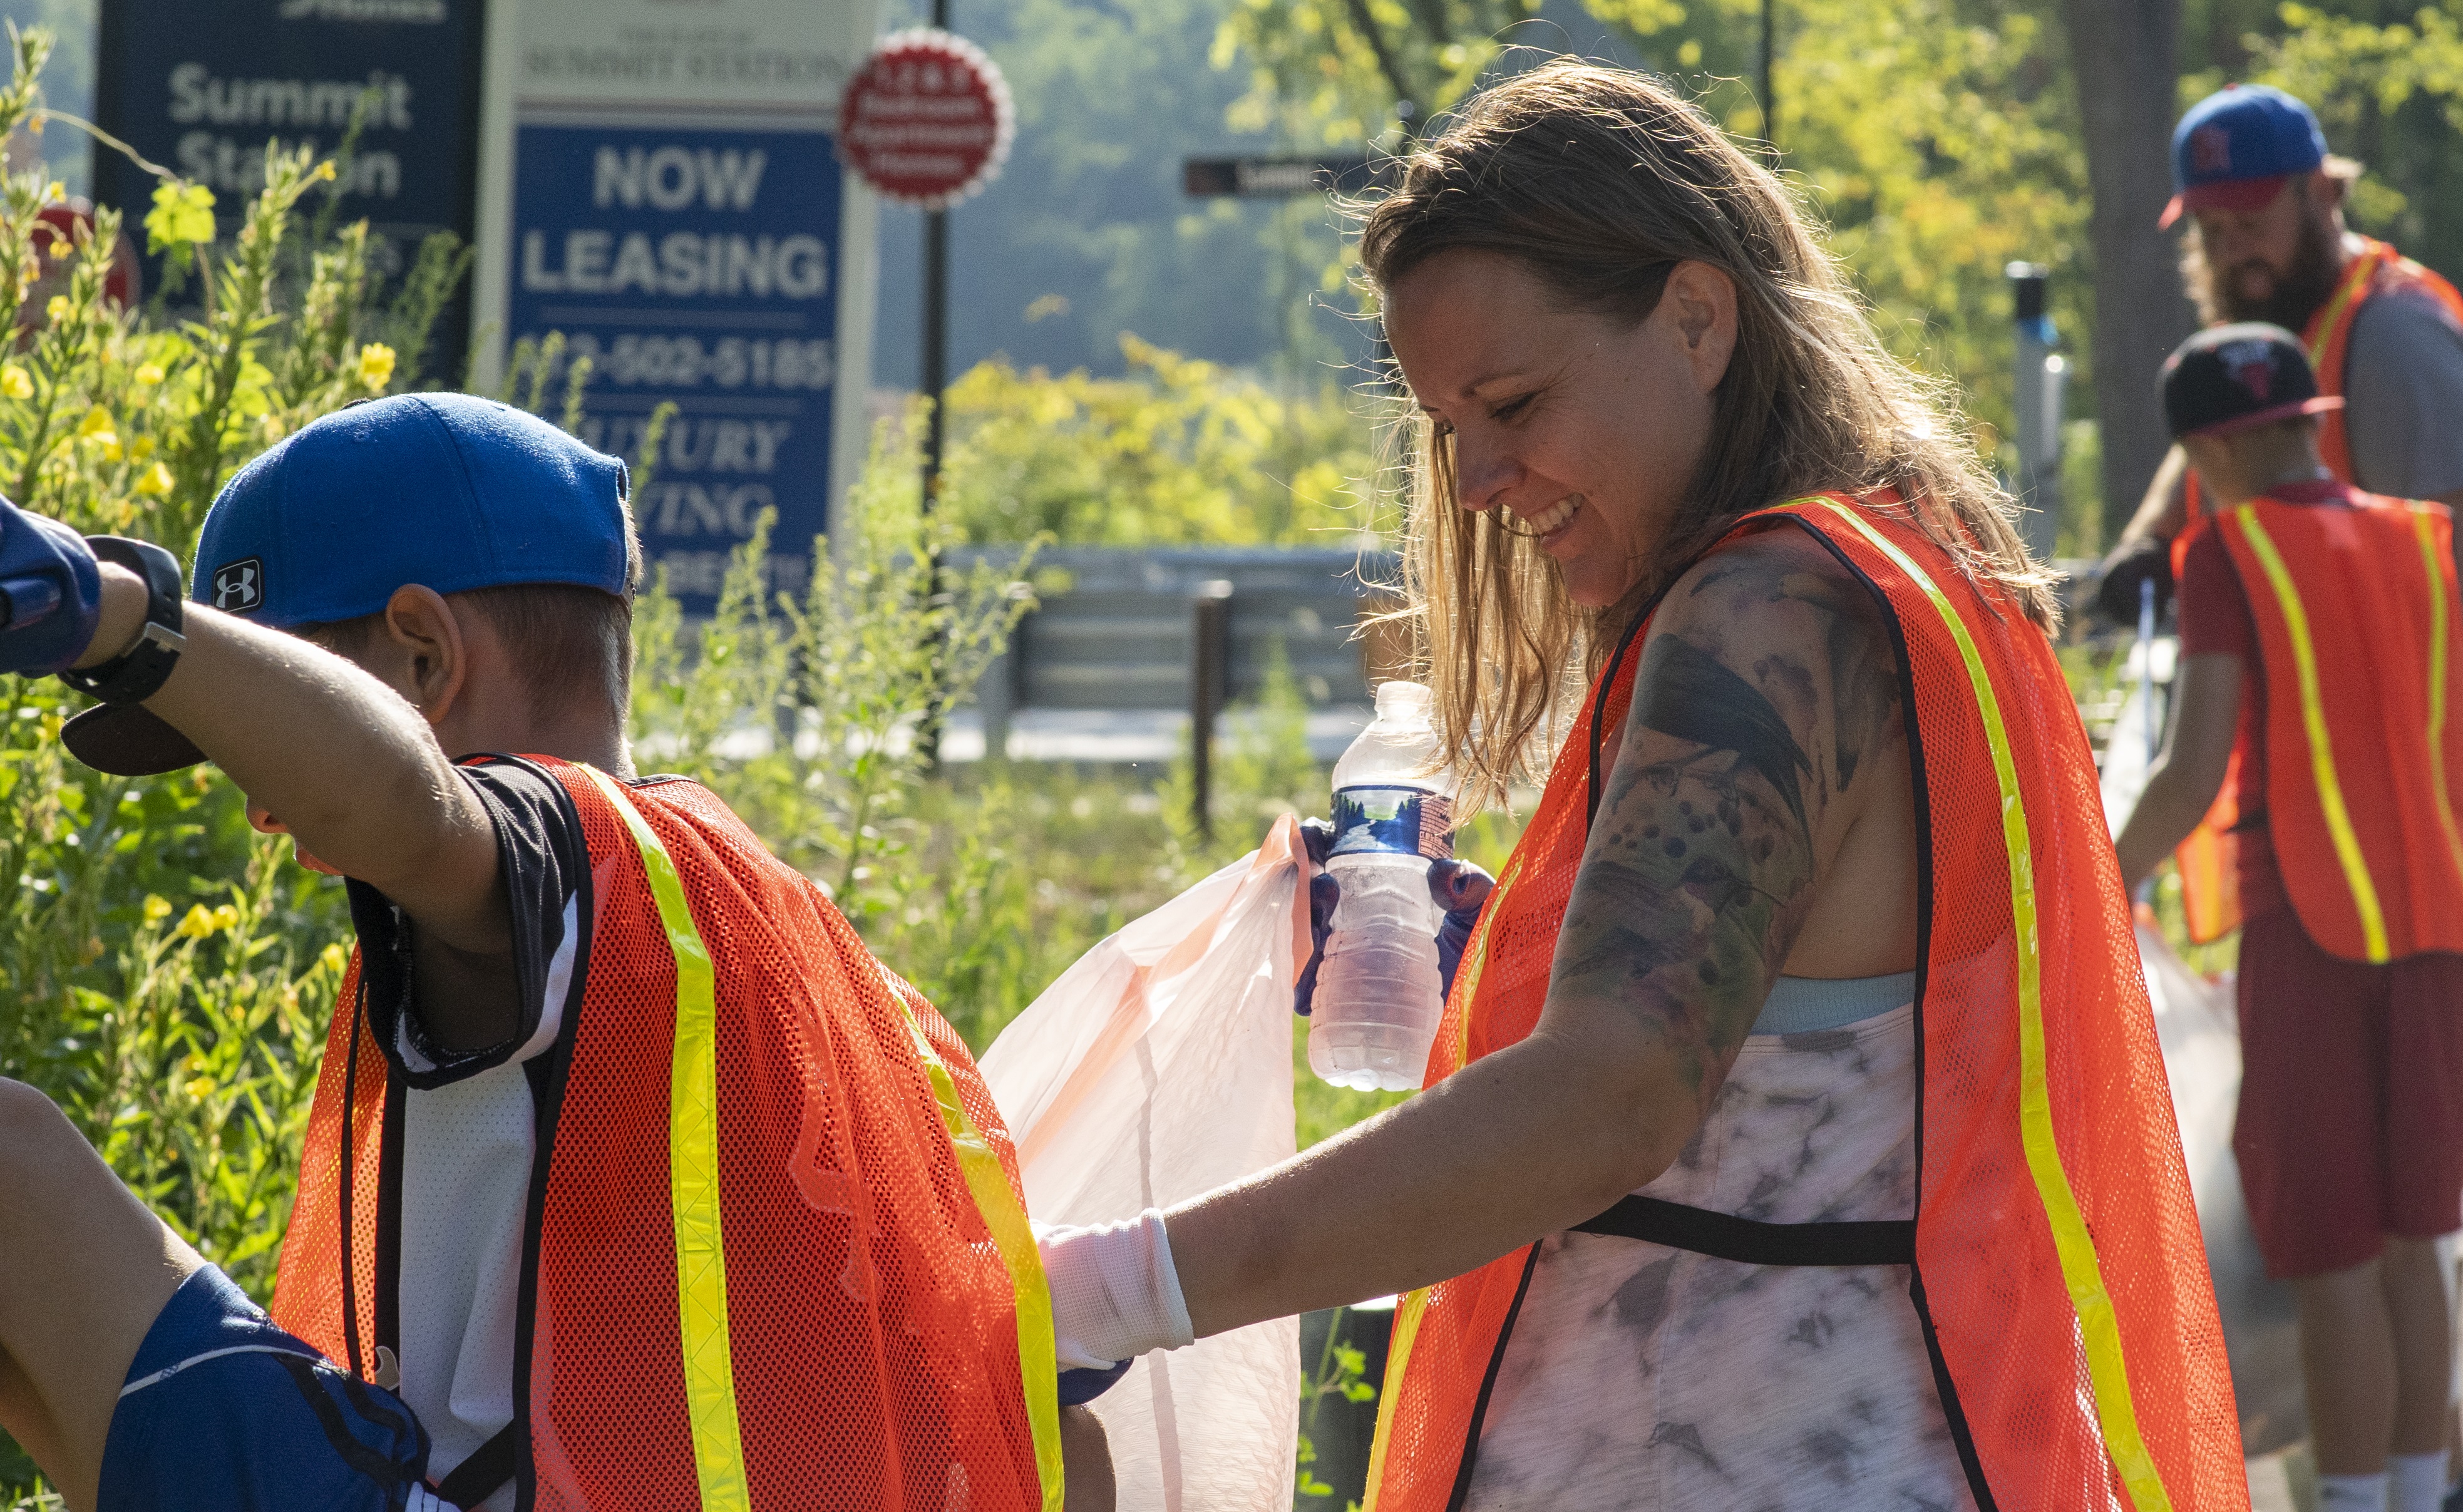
2210,150
239,586
2250,364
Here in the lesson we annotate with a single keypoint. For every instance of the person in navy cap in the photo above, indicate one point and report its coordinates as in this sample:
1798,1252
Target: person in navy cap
2261,202
633,1179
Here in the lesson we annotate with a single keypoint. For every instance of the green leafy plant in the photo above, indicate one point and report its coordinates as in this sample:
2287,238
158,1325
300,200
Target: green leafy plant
1178,451
1342,1372
812,715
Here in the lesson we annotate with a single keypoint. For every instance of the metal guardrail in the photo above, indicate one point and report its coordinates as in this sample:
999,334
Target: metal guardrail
1193,628
1122,634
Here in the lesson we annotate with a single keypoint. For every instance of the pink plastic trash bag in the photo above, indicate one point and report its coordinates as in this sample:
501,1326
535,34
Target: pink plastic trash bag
2200,1033
1157,1067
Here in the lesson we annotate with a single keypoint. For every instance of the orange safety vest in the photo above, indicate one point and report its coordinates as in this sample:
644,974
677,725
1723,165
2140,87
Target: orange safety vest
2327,337
2208,861
2377,269
2356,611
2057,1268
776,1253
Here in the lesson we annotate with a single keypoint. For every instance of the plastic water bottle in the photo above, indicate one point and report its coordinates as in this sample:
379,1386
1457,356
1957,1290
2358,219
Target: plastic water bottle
1378,992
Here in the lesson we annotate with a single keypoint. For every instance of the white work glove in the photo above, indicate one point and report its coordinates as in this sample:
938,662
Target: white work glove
1114,1292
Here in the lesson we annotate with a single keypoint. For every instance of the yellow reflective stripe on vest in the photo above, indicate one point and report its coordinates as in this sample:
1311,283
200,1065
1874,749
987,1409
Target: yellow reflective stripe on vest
2363,268
1407,1314
2438,655
692,1178
1038,1363
2313,724
1475,959
2099,1324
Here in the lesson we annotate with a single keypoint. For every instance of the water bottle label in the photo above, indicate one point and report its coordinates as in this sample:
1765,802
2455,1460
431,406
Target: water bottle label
1397,821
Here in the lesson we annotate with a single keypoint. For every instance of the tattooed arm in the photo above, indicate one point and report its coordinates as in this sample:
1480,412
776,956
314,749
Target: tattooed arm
1757,812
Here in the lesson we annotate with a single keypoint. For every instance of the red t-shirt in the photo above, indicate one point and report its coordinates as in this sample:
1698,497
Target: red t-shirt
2215,621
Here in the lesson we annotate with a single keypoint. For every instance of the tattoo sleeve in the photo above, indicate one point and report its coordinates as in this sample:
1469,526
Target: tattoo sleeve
1767,681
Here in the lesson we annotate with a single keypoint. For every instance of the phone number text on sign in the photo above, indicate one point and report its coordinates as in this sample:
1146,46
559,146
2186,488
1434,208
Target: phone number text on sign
687,362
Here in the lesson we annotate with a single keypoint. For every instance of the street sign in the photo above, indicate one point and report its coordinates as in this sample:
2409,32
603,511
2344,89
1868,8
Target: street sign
674,207
200,89
928,123
1275,178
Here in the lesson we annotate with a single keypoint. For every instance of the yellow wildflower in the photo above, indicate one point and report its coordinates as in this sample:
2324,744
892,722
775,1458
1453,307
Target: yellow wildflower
55,190
149,373
227,917
195,924
99,434
198,1088
324,173
181,212
142,448
14,383
376,364
57,310
154,482
157,908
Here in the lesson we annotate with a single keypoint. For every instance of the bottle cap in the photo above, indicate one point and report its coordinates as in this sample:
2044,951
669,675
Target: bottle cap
1394,697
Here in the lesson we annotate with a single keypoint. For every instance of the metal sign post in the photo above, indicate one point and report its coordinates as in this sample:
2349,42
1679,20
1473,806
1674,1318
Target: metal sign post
928,123
673,206
2043,374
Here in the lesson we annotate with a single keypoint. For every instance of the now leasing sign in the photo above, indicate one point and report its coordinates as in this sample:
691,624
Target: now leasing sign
675,213
692,268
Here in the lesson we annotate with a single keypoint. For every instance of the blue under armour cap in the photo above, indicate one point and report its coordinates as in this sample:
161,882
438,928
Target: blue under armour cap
447,490
2235,148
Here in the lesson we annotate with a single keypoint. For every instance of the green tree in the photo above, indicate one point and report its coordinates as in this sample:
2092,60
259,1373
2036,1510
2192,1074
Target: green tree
1177,452
1939,138
1361,69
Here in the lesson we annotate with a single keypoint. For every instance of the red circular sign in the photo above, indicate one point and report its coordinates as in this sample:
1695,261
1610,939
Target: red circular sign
928,120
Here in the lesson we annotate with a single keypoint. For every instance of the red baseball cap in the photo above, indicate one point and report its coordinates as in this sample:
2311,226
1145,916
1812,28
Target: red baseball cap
2237,147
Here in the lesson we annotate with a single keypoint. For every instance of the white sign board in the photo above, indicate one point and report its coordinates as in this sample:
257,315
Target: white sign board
662,191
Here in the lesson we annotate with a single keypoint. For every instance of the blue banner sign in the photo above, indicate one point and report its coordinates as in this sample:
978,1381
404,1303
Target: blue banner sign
698,267
202,88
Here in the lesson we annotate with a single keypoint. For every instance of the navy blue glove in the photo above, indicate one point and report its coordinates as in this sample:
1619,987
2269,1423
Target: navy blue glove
1077,1387
1460,888
53,590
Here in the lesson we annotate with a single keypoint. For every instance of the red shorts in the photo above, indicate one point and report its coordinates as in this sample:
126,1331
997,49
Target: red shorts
2351,1099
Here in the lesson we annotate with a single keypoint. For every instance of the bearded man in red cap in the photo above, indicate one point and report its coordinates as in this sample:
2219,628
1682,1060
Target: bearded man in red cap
2264,239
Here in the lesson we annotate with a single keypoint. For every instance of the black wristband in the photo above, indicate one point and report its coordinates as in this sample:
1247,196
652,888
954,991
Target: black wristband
133,676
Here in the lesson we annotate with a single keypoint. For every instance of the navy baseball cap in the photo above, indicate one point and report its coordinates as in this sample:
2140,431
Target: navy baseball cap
2235,148
2234,377
447,490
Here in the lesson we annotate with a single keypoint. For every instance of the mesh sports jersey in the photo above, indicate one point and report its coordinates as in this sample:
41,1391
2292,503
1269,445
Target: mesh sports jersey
468,1124
2059,1283
775,1254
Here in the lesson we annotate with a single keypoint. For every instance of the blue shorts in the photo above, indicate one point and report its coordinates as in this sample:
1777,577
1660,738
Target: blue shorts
226,1412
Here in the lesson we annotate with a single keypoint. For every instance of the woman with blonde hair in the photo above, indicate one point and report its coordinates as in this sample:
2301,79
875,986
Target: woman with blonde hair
1795,1127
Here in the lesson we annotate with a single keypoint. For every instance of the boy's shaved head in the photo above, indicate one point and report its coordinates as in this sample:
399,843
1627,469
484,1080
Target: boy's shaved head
572,647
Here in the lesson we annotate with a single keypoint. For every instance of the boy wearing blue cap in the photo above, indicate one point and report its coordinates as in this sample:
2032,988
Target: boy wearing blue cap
2265,240
633,1179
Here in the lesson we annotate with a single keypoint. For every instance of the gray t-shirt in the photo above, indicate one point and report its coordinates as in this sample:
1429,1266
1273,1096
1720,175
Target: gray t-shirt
2403,389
